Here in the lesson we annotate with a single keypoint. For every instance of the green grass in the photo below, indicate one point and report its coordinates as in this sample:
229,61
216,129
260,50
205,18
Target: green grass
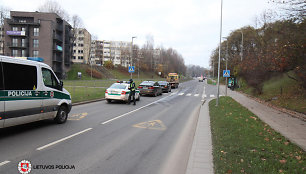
211,82
285,92
79,94
244,144
72,74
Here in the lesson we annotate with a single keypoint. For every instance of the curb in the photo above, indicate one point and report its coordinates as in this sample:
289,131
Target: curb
89,101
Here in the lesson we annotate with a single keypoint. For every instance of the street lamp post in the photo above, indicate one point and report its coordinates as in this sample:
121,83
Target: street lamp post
226,58
131,61
218,86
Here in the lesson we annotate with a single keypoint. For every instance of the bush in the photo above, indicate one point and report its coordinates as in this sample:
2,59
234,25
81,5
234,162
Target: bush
108,64
95,73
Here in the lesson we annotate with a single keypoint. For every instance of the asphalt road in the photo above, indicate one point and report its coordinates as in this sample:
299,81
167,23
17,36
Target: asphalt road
155,136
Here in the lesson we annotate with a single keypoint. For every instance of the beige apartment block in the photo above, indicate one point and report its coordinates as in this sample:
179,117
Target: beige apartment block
81,46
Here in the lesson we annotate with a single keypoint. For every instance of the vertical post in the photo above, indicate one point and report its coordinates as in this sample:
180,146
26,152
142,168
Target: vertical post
226,67
218,85
131,62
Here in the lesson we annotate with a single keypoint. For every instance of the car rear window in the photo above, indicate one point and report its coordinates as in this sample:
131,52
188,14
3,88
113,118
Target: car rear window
118,86
147,83
162,83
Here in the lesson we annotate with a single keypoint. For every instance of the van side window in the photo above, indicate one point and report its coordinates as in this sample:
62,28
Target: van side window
19,77
49,78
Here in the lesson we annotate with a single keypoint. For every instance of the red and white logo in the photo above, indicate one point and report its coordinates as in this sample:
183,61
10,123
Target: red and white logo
52,94
24,167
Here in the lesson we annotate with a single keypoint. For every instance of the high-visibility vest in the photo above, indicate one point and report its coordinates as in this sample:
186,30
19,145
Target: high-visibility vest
132,86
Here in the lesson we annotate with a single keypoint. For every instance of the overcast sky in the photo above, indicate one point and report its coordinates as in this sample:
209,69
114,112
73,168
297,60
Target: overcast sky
190,26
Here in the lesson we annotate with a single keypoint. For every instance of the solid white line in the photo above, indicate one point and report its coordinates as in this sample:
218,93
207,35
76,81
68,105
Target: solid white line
181,94
196,95
4,162
105,122
63,139
188,94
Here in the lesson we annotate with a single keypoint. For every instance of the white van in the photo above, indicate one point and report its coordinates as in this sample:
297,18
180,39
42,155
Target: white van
30,91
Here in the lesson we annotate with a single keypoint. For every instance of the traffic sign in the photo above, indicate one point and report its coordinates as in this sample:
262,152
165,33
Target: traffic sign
131,69
226,73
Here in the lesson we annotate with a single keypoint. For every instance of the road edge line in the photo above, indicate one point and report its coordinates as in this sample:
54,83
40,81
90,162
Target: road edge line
63,139
4,162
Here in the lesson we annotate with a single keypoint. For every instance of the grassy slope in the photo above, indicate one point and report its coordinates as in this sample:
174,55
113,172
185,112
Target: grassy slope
244,144
285,93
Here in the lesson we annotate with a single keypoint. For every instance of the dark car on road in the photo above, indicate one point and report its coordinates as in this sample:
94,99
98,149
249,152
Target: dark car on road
165,86
150,88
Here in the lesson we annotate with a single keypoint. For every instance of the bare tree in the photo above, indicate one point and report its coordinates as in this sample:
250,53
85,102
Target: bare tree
51,6
295,9
4,13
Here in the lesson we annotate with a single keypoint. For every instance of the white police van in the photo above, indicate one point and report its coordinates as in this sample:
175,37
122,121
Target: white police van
30,91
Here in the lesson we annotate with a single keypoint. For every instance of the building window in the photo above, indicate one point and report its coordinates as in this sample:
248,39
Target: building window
80,57
23,44
15,28
14,42
74,51
35,53
74,44
81,38
35,43
23,29
73,57
36,31
15,53
23,53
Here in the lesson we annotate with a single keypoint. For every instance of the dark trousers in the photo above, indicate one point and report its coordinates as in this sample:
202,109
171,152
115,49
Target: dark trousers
132,94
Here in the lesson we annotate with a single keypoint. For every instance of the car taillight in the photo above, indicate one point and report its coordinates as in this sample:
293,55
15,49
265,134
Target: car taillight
140,87
166,86
150,87
106,92
123,93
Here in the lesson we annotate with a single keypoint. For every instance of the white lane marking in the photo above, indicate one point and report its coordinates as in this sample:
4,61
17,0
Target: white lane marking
173,93
196,95
181,94
4,162
110,120
63,139
188,94
211,95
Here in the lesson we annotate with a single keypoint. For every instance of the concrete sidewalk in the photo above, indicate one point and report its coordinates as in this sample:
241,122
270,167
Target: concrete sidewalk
292,128
201,159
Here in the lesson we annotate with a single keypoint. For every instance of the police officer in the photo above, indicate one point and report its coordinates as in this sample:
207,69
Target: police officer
132,92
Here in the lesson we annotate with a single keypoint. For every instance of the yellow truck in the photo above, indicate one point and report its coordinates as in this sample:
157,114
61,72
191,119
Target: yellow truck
173,79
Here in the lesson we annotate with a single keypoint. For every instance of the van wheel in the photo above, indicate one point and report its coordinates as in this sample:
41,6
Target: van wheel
109,101
62,115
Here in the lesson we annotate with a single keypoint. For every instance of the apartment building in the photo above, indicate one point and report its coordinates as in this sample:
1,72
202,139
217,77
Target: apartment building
37,34
96,52
81,46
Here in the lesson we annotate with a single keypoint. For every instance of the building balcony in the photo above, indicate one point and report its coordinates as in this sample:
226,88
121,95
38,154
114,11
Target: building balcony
16,33
58,48
57,58
14,45
17,22
59,27
57,37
